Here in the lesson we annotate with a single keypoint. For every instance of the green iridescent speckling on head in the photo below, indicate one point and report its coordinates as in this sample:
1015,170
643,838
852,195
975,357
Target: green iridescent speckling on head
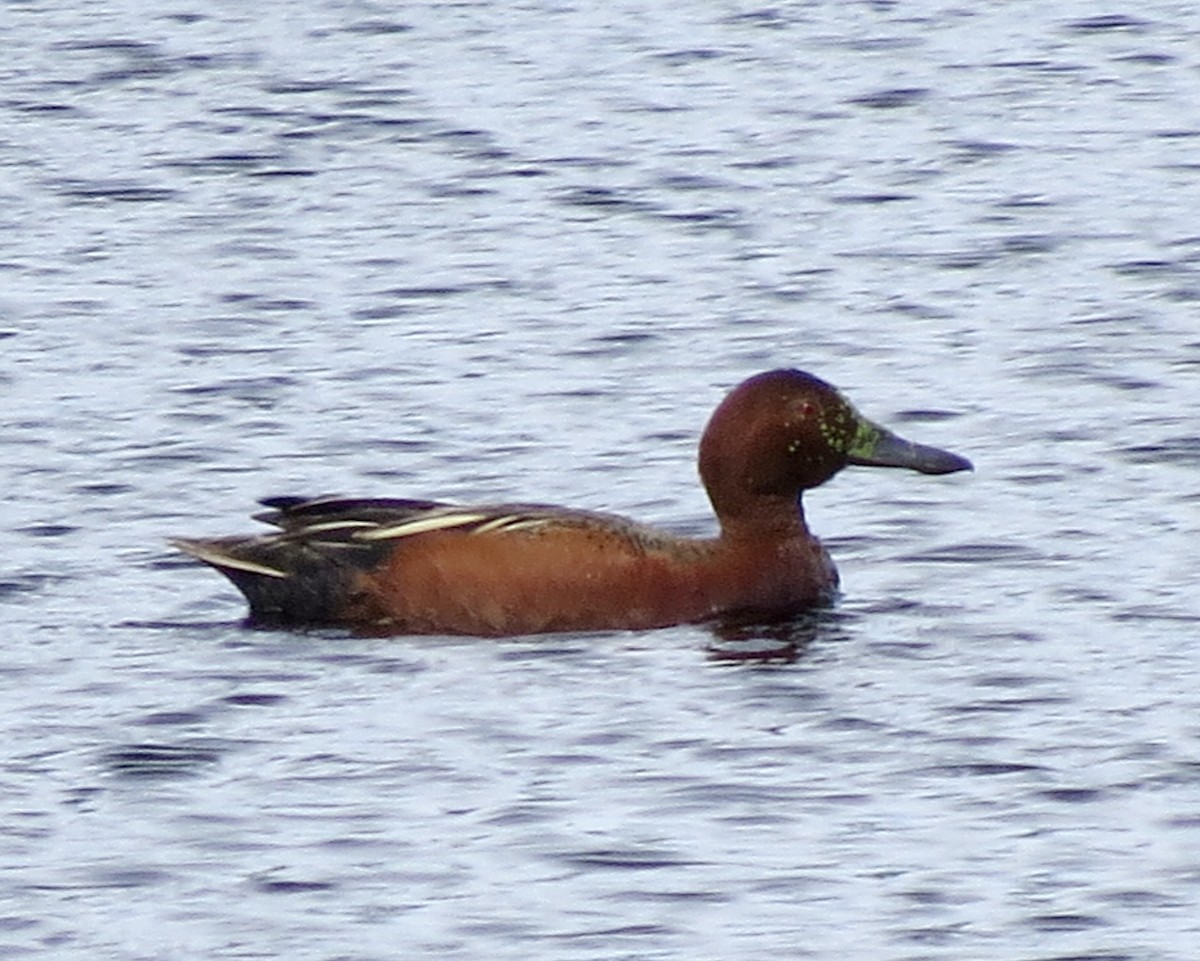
845,430
865,439
863,442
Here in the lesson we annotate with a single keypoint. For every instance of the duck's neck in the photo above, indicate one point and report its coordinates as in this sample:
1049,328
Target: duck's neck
764,518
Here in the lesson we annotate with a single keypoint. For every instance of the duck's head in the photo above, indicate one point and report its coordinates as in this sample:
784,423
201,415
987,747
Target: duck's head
785,431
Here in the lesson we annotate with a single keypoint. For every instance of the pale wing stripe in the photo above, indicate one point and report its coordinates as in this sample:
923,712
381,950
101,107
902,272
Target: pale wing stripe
420,526
339,545
504,521
224,560
519,524
327,526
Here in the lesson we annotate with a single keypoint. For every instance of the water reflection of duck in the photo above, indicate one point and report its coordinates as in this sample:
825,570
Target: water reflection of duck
390,566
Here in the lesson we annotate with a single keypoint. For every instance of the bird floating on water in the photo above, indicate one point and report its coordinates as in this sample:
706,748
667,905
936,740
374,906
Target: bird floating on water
395,566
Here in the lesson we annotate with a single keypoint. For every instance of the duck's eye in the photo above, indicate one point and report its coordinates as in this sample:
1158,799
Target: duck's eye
808,409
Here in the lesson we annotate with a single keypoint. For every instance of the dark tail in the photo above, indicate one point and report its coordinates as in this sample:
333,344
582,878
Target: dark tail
284,584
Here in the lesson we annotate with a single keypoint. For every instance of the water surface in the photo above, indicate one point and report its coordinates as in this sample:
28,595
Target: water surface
498,251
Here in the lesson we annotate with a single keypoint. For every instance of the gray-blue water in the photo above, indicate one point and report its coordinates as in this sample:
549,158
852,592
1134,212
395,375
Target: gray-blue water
518,251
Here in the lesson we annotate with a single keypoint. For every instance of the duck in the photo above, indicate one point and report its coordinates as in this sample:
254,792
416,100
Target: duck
396,566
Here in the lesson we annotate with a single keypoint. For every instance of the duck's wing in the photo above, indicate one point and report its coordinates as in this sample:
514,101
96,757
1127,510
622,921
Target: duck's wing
303,517
304,571
357,531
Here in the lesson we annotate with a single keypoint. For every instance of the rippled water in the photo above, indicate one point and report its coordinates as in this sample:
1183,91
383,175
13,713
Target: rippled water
518,251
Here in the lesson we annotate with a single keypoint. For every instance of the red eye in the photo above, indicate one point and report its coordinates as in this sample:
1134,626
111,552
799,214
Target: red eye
807,409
